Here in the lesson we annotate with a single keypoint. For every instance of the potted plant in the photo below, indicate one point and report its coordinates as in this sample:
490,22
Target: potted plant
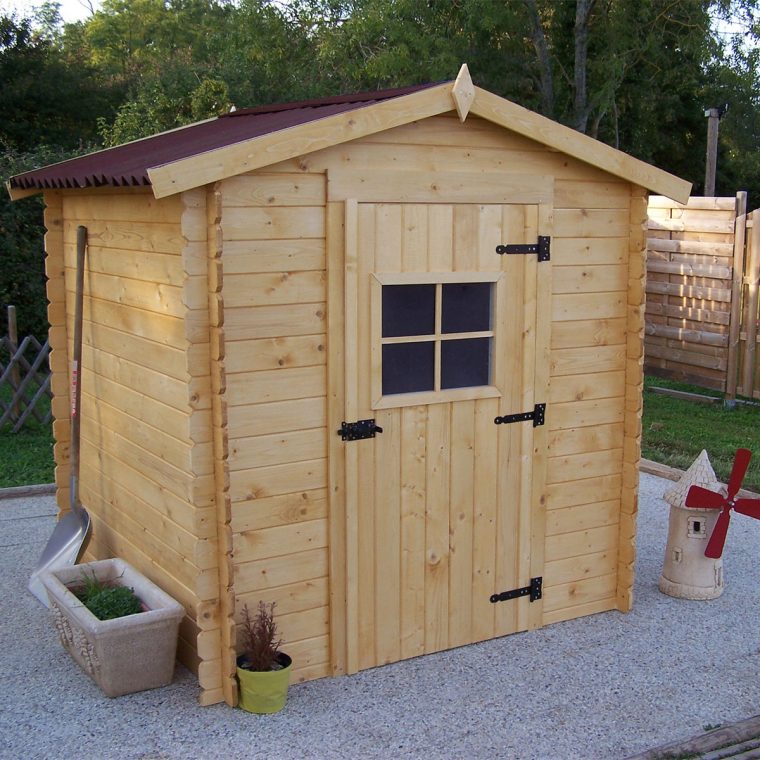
121,628
263,671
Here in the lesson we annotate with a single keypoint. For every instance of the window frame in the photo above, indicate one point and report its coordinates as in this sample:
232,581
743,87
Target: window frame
438,395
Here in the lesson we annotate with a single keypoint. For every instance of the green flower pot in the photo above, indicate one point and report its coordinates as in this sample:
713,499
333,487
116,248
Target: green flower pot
264,692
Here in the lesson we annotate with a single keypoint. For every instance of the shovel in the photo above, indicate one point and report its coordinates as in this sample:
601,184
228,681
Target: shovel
72,530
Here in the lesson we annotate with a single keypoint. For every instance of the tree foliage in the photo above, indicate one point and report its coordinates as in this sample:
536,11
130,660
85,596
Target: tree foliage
637,74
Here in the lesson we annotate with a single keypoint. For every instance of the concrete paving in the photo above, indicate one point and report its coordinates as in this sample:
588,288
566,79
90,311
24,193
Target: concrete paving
604,686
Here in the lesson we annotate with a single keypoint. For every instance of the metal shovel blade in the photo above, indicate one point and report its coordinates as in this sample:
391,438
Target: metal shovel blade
62,550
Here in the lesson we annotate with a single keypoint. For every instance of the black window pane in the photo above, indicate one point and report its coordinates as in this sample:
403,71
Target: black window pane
466,307
408,310
465,363
408,367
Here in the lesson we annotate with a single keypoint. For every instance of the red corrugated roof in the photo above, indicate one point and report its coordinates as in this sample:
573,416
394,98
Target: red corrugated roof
127,165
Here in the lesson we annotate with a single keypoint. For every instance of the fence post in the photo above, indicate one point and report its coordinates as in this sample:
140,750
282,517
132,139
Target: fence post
15,377
734,330
752,280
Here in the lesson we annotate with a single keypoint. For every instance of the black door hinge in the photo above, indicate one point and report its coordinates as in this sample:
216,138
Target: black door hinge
542,248
534,590
359,430
537,415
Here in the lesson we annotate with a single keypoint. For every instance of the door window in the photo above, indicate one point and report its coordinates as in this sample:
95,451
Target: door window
435,337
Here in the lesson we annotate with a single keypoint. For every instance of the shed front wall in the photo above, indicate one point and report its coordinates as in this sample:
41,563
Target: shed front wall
146,467
273,225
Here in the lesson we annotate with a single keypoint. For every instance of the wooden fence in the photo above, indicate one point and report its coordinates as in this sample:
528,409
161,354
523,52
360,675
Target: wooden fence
24,379
702,302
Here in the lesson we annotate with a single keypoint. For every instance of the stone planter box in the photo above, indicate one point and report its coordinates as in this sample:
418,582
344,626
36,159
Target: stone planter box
123,655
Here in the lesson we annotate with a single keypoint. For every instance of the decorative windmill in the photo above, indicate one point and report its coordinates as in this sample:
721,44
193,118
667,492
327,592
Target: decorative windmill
702,498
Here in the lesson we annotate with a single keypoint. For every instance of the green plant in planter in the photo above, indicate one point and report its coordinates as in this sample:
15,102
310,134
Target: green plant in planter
263,670
105,600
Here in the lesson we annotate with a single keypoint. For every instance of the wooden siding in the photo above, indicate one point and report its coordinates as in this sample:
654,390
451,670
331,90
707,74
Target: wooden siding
276,383
272,228
146,465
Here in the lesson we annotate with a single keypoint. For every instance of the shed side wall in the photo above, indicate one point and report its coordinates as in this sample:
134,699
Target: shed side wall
145,473
274,286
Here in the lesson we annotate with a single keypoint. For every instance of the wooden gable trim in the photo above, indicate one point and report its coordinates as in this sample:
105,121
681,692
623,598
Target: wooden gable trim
266,150
285,144
553,135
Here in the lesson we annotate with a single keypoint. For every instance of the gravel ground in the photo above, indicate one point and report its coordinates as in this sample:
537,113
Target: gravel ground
605,686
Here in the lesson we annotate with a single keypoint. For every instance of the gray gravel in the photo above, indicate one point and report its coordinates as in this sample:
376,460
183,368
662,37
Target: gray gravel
604,686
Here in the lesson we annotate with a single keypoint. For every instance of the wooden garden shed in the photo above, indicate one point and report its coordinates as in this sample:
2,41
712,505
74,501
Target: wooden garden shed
457,279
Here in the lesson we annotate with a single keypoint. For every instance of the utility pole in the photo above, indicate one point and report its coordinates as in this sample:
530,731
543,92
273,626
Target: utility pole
714,116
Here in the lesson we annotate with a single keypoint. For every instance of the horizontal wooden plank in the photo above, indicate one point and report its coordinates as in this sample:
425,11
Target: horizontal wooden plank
585,439
280,571
690,269
589,332
261,482
276,223
137,237
692,247
574,569
419,186
588,251
277,417
689,336
272,353
274,321
266,450
311,658
252,545
297,626
580,593
589,279
295,597
563,469
571,307
162,268
690,358
587,491
727,203
262,189
130,207
586,361
585,387
279,510
581,542
693,224
594,607
250,257
584,413
271,288
593,223
715,315
689,291
575,194
276,385
582,517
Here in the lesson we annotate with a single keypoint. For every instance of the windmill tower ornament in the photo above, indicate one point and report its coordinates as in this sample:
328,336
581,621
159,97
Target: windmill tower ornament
701,498
686,572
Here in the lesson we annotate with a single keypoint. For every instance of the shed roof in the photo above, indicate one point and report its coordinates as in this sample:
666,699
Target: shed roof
249,139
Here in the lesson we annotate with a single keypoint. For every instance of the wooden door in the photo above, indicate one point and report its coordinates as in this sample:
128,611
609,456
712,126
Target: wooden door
442,509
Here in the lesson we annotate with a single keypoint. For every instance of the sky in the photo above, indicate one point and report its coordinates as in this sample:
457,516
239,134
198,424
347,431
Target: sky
71,10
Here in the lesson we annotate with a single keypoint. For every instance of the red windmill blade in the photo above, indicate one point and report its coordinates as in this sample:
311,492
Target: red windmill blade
701,498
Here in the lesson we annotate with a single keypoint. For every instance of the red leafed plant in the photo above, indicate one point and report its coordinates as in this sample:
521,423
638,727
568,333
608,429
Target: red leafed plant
261,647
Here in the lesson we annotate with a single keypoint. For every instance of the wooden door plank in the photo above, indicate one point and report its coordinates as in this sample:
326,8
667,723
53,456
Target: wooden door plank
437,529
461,522
441,238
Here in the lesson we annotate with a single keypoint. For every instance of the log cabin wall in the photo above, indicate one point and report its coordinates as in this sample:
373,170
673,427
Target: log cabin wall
146,466
273,232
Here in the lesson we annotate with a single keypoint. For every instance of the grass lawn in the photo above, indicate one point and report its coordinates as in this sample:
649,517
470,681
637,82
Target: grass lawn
676,430
26,457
